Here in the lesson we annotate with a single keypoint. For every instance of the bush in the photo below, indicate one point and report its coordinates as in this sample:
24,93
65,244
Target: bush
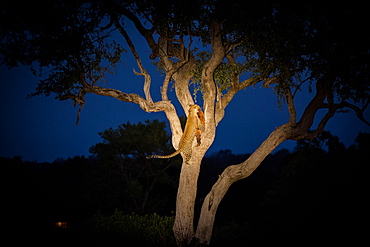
122,229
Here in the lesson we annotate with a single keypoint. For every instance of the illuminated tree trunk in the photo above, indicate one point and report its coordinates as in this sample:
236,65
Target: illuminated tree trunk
183,227
184,220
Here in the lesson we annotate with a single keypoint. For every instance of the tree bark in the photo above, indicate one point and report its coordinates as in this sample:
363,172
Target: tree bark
232,174
184,221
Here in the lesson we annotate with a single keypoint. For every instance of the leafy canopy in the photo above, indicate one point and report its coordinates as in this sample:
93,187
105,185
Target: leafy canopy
66,39
294,41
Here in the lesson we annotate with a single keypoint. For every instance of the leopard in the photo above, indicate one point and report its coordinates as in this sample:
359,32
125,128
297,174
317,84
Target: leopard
193,129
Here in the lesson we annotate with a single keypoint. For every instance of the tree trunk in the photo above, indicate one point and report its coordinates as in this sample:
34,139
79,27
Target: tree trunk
184,220
232,174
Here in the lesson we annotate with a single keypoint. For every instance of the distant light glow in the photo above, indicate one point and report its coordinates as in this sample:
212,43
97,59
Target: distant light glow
62,224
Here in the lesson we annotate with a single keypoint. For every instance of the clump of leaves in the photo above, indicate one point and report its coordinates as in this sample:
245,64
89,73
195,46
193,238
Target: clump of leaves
223,75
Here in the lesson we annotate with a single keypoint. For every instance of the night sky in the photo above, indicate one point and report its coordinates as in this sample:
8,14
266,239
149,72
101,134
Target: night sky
43,129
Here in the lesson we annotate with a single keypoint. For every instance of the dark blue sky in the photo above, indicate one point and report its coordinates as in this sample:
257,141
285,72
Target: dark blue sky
43,129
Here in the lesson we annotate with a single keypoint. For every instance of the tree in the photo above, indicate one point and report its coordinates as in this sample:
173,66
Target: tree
201,45
133,180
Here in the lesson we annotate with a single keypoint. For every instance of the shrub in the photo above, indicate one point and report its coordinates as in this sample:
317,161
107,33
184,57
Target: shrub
121,229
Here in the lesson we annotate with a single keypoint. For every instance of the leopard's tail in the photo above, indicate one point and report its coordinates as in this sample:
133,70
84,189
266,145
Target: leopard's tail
163,156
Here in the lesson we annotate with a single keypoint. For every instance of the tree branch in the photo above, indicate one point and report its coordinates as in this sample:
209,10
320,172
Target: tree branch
183,54
291,107
323,87
210,89
311,135
232,174
236,87
146,33
182,78
229,48
221,105
315,104
298,87
271,80
358,111
164,88
143,71
148,105
132,97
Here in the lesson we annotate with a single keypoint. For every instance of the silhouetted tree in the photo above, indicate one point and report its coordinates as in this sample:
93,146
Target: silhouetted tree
130,181
363,141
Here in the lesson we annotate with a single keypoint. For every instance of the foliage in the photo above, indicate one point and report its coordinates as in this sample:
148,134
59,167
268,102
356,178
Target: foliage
223,75
133,140
294,41
71,43
132,230
133,183
363,141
